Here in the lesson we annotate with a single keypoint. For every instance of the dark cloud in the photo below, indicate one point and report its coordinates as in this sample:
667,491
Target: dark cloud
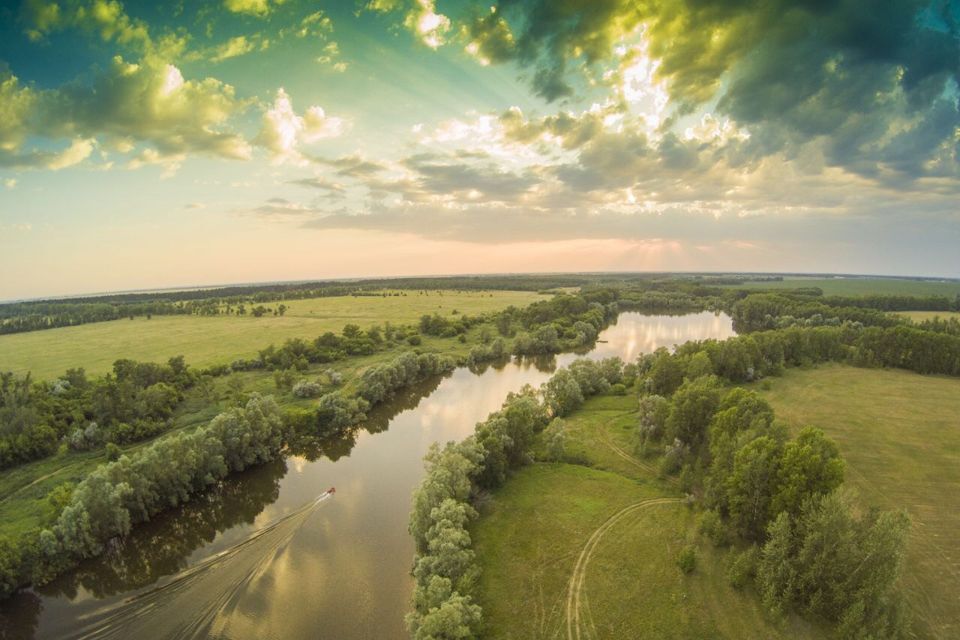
855,70
443,175
354,166
321,183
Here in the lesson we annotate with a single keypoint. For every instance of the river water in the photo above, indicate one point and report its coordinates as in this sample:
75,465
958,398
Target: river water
261,557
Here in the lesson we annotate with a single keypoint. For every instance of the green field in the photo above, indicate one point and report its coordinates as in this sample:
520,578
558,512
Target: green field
920,316
564,547
841,286
900,435
222,339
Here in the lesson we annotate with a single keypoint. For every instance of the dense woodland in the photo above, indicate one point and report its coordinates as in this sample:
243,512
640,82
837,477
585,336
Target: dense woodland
720,443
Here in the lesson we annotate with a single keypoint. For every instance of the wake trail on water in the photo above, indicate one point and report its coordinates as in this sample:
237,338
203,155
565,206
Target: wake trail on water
199,601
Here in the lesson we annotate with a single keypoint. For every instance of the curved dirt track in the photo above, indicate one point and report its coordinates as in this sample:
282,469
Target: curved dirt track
580,625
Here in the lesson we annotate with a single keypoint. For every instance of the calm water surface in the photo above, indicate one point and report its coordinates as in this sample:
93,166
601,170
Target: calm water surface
259,558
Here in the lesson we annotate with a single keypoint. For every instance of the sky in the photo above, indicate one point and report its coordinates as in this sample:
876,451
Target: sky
164,144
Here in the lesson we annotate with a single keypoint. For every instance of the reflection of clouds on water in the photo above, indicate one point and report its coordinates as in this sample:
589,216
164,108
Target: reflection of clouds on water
636,334
210,599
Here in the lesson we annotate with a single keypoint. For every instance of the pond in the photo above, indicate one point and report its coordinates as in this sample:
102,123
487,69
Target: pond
261,557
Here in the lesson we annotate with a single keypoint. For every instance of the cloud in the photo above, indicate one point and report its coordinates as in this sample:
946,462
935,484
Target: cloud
10,183
232,48
839,75
125,105
420,18
353,165
77,152
259,8
283,131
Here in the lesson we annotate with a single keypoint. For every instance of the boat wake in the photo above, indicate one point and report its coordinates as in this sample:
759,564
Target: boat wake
199,601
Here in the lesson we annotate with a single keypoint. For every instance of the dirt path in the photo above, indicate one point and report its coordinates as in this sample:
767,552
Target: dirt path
579,624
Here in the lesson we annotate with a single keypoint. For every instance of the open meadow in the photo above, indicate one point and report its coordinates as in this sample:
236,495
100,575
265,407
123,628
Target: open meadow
208,340
900,435
854,286
589,550
920,316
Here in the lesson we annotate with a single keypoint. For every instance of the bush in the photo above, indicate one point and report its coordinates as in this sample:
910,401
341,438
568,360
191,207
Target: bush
712,526
743,569
414,340
687,559
113,452
306,389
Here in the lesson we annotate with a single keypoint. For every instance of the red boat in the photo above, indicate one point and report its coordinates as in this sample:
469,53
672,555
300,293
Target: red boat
332,490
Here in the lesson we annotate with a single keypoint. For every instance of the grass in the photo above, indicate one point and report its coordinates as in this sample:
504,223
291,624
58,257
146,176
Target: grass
534,529
900,435
221,339
841,286
920,316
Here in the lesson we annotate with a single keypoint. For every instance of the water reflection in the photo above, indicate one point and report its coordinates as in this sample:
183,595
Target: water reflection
343,572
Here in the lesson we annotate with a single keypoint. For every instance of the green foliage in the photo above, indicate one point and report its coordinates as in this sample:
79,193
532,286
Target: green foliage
687,559
562,393
666,374
653,412
692,409
743,569
113,452
810,466
135,487
838,565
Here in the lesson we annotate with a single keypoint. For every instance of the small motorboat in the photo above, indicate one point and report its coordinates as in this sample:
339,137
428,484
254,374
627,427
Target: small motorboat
332,490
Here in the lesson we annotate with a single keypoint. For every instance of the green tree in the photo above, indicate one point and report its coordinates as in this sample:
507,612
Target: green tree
692,409
810,466
752,485
562,393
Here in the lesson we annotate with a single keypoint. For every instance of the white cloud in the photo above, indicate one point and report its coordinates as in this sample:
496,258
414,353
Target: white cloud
78,151
429,26
283,131
10,183
232,48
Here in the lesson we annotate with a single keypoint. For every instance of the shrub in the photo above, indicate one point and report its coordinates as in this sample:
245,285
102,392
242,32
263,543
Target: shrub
414,340
306,389
687,559
113,452
743,569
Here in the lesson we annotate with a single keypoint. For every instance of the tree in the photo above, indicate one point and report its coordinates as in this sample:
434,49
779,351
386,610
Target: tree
652,415
666,374
810,466
752,485
692,409
562,393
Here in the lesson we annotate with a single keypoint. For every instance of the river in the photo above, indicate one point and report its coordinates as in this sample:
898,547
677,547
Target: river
260,557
